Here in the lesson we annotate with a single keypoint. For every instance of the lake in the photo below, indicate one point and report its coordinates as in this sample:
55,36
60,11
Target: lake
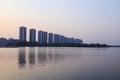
59,63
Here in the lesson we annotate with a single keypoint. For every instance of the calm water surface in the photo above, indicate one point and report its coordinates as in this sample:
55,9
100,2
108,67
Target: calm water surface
46,63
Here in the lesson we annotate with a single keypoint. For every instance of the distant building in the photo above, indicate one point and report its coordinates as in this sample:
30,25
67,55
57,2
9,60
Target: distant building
78,41
32,35
44,37
3,42
12,41
50,38
40,36
56,38
71,40
66,40
62,39
22,33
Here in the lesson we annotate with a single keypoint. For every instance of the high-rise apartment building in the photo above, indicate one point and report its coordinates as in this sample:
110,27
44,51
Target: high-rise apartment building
56,38
22,33
50,38
78,41
44,37
32,35
62,39
40,36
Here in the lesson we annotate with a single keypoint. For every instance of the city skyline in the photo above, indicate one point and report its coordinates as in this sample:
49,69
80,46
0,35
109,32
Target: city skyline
39,38
44,37
94,21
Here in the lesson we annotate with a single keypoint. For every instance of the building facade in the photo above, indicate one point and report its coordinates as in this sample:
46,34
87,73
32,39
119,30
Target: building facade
32,35
62,39
22,33
50,41
12,41
40,37
3,42
44,37
56,38
78,41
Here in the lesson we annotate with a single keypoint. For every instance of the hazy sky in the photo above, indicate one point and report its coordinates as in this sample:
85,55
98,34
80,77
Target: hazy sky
91,20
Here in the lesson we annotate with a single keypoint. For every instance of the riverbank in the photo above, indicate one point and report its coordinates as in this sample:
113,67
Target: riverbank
28,44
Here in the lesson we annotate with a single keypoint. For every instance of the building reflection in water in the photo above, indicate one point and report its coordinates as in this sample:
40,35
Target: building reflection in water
22,58
30,57
50,53
42,56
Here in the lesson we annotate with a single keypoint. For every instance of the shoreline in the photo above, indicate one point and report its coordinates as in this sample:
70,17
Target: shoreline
84,45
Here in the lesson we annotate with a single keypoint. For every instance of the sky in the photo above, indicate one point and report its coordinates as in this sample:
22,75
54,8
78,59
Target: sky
93,21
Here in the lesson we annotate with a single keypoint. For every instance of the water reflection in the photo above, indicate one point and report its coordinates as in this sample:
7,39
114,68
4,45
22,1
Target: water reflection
42,56
59,63
31,56
38,56
22,57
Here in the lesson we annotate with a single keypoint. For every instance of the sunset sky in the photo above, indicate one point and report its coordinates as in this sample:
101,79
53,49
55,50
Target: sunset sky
91,20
